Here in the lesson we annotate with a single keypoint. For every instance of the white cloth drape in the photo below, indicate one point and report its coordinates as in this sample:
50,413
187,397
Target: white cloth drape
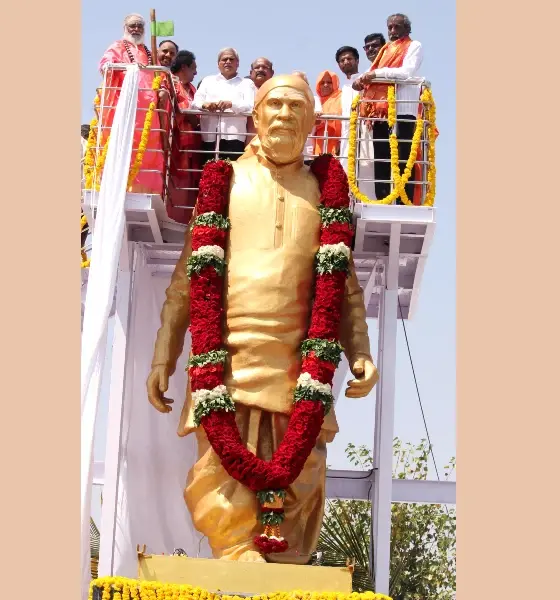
155,461
106,246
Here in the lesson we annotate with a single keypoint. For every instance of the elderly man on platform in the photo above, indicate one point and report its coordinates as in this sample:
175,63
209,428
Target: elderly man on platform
261,71
224,97
401,58
132,50
248,335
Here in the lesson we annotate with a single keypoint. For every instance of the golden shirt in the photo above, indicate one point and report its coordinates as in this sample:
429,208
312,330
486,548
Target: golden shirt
271,247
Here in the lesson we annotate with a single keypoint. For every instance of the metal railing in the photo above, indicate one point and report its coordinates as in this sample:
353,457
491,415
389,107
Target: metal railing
182,162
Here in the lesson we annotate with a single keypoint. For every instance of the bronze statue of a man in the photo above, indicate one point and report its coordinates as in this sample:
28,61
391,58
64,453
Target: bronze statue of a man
270,254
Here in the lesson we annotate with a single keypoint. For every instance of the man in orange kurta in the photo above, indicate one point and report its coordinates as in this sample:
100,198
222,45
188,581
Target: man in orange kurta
400,58
129,50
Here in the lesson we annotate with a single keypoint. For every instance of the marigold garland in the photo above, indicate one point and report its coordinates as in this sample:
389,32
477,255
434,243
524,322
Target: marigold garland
91,153
145,137
399,180
214,408
428,98
148,590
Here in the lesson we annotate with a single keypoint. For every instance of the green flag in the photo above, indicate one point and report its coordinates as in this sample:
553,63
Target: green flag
162,28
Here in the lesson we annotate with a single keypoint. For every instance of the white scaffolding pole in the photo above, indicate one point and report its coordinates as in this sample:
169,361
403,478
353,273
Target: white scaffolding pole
380,550
113,452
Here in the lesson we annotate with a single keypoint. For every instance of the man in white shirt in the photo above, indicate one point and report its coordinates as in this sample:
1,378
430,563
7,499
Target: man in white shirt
400,59
226,91
348,59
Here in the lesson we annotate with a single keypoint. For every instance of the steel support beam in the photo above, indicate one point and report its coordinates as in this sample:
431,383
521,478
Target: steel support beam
355,485
380,549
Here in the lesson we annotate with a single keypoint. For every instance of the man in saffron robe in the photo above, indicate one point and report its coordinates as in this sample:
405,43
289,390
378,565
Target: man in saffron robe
328,131
400,58
270,254
128,50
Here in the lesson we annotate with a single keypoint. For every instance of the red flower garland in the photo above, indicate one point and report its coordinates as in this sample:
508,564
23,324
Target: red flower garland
206,294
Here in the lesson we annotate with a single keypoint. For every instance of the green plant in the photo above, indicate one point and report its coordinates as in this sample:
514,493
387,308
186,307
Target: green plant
422,535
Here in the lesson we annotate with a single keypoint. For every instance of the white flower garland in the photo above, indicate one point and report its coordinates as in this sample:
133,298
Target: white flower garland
210,251
340,248
306,381
216,393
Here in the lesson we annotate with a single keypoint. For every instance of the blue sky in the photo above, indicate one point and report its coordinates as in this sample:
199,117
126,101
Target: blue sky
305,36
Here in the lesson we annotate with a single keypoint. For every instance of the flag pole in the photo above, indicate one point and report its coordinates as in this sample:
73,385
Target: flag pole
153,33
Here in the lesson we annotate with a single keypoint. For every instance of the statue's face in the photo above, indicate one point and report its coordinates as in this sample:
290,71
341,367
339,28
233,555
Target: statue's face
283,121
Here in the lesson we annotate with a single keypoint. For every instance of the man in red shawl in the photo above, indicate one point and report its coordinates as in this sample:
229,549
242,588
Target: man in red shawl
400,58
132,50
185,151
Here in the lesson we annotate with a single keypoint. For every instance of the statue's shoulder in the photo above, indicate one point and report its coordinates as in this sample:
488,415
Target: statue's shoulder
245,165
310,178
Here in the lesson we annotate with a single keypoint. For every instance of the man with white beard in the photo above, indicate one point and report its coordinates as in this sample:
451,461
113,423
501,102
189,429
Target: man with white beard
130,49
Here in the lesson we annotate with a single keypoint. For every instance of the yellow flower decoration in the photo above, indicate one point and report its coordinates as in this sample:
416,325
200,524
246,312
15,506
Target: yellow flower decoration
399,180
428,99
145,137
91,154
123,589
391,106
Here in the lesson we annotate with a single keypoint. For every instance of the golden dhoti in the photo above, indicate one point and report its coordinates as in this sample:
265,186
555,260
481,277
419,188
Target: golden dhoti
226,512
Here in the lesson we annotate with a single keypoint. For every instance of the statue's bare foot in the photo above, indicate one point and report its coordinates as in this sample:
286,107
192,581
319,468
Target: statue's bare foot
251,556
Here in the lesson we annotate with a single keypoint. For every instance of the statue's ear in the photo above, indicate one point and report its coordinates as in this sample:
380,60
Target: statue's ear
255,117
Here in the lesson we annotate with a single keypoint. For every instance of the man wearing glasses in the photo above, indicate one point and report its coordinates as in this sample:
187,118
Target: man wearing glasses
373,44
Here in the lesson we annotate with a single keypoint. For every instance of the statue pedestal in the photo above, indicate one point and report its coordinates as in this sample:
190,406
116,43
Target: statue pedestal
243,578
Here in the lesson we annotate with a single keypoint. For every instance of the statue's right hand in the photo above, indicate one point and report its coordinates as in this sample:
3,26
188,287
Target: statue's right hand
157,384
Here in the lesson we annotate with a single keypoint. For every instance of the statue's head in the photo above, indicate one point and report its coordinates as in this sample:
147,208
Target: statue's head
284,117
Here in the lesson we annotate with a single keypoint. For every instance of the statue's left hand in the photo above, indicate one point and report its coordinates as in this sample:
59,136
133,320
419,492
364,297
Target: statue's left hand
366,376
